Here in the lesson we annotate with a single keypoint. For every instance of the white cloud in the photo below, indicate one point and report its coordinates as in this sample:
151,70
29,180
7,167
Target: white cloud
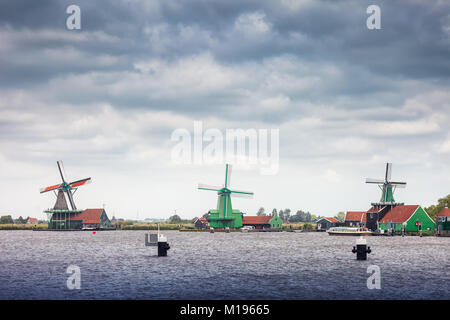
252,24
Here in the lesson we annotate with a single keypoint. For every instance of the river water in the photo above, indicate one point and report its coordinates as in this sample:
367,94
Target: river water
117,265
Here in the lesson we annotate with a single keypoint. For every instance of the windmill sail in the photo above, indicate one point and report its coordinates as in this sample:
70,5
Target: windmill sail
224,215
61,170
64,198
387,186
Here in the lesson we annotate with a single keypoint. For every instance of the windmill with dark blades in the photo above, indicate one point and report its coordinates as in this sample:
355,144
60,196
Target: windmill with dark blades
387,201
65,205
387,187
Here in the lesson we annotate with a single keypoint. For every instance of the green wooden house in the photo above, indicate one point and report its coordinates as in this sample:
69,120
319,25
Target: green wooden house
443,222
263,222
411,217
326,223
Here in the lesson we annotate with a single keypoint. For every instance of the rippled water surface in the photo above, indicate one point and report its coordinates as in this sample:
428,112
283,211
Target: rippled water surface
117,265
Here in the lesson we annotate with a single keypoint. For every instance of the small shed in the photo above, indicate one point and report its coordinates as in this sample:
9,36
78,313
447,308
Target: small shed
355,219
413,217
32,221
201,223
326,223
443,222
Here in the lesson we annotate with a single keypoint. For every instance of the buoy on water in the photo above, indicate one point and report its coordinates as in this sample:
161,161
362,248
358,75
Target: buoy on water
361,249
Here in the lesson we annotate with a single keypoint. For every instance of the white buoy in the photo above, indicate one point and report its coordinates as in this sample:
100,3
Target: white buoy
157,239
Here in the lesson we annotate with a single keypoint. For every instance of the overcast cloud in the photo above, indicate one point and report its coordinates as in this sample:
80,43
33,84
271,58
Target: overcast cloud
105,99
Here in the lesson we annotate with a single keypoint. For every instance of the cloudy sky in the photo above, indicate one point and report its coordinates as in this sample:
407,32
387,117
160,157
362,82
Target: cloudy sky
106,99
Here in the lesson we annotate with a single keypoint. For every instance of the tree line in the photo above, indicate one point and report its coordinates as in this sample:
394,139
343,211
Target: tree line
286,215
434,209
9,220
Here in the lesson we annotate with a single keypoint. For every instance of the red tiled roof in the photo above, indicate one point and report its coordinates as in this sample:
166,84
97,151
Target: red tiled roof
32,220
88,216
203,220
355,216
375,209
256,220
400,213
333,220
444,213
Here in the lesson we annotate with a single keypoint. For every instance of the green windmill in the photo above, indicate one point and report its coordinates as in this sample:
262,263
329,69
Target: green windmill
387,186
224,216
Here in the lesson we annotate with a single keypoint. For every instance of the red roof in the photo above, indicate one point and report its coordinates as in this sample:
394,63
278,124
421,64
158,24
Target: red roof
91,216
376,209
355,216
32,220
334,220
203,220
400,213
444,213
256,220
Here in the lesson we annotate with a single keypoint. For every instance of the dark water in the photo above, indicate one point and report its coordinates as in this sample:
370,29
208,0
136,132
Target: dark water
117,265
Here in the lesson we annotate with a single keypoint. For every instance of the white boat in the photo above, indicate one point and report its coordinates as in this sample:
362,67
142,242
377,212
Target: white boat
247,228
348,231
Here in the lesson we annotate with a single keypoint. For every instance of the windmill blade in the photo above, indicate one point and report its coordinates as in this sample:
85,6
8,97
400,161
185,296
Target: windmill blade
228,168
61,170
241,192
55,187
69,200
377,181
398,184
80,183
225,205
203,186
242,195
388,172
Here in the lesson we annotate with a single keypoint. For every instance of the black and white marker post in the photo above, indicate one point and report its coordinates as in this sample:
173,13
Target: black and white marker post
361,249
157,239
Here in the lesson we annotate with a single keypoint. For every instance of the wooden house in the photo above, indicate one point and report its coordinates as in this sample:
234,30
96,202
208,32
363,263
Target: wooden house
263,222
32,221
201,223
443,222
327,223
411,217
355,219
87,219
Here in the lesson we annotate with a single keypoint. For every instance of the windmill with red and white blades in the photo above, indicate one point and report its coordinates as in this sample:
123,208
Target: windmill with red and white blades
66,190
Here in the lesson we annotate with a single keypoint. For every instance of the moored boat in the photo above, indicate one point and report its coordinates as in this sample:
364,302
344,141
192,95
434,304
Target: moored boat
346,231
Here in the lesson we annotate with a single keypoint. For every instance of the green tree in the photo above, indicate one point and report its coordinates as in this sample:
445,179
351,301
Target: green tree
281,214
287,214
340,216
175,219
433,210
261,212
6,220
20,220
